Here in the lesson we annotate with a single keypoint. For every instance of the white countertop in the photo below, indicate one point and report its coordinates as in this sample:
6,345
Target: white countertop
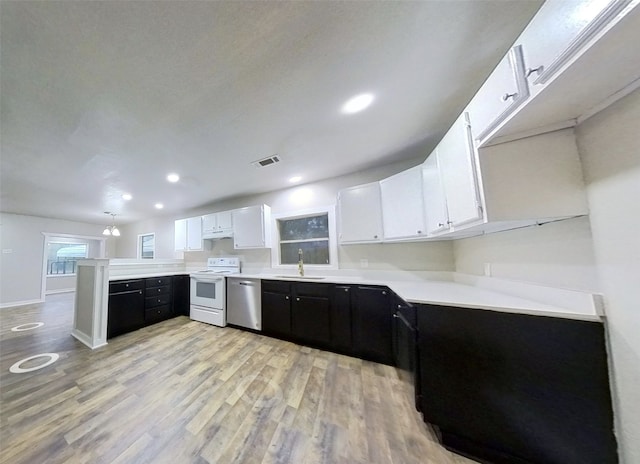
442,289
449,293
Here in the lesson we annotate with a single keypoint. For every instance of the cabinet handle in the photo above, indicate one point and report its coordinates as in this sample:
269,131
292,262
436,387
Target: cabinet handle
140,292
297,299
507,96
440,224
159,300
384,293
126,285
375,236
537,70
346,289
395,316
419,231
286,297
159,290
399,306
449,222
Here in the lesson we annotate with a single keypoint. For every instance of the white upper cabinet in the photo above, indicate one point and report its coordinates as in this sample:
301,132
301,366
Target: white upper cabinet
403,206
188,234
217,225
503,91
456,162
252,227
437,217
559,31
360,214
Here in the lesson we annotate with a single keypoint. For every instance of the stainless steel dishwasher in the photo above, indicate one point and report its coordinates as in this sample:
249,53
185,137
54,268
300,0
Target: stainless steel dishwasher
244,302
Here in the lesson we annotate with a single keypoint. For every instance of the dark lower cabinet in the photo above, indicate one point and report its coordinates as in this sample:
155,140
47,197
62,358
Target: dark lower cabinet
134,304
276,308
511,388
341,305
405,345
181,295
371,324
125,307
310,314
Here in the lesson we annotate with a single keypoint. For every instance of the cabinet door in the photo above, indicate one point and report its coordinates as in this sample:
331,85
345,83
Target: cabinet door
310,319
341,318
194,233
180,236
402,205
360,214
125,313
181,291
458,174
504,90
560,30
224,220
209,222
276,314
372,324
249,228
435,205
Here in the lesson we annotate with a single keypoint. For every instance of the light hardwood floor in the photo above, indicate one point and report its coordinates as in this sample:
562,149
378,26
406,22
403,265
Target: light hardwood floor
186,392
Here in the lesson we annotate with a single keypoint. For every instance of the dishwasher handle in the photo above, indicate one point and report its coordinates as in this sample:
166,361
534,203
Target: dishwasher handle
246,283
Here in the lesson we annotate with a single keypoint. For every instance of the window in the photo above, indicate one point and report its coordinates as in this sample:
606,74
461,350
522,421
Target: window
310,232
62,257
146,246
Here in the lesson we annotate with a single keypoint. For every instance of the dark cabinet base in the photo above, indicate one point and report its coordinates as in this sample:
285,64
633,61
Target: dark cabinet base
513,388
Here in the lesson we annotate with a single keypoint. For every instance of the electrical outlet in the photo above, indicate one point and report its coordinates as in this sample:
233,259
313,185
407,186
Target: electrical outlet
364,263
487,269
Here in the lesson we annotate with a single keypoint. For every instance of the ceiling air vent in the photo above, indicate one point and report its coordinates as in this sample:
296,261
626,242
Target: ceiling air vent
266,161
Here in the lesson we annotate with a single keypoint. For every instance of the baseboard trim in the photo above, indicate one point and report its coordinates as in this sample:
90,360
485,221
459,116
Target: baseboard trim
62,290
84,339
12,304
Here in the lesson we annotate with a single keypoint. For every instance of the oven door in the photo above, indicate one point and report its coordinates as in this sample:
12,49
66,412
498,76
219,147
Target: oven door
207,292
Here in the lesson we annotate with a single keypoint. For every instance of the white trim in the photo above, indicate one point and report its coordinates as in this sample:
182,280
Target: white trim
84,339
55,276
139,248
43,271
11,304
330,210
61,290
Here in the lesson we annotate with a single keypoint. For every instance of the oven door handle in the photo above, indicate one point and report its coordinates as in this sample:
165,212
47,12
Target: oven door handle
208,279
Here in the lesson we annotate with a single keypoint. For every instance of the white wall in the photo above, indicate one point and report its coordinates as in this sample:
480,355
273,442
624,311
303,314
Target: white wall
609,145
558,254
413,256
21,268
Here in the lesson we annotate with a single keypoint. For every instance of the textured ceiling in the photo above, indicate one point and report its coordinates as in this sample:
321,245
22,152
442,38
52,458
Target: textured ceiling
101,98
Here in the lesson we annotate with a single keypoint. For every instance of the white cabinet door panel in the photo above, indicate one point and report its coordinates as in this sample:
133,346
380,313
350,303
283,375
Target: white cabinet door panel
360,214
194,233
180,237
435,203
503,91
249,227
403,205
560,29
457,168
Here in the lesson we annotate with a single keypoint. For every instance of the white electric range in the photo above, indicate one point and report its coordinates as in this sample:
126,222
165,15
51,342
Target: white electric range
208,290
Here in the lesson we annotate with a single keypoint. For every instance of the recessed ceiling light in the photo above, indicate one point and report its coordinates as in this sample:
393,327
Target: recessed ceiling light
126,196
159,206
173,177
295,179
357,103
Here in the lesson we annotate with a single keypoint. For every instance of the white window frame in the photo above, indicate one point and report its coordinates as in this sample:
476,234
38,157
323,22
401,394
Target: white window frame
60,241
139,245
330,211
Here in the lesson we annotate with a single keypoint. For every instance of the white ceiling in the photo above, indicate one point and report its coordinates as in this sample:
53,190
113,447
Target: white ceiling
99,98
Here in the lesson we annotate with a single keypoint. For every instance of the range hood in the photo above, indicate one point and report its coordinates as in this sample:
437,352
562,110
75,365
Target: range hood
217,234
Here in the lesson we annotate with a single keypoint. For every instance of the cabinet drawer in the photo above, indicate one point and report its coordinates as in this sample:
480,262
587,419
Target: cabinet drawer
152,301
165,290
157,314
312,289
157,281
276,286
125,286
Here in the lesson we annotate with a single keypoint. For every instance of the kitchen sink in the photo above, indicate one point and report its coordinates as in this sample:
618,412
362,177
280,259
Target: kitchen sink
300,277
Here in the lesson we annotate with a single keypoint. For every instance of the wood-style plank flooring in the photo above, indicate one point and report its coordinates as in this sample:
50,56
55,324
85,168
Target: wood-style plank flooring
186,392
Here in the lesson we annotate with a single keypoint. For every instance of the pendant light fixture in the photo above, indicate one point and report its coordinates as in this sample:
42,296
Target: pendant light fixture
112,229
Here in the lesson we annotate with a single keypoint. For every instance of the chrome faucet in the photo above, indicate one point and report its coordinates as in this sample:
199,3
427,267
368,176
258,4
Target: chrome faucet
300,263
